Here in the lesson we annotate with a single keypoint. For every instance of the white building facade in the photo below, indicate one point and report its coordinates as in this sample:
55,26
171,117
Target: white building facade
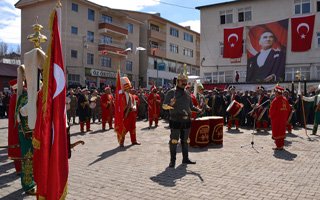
243,13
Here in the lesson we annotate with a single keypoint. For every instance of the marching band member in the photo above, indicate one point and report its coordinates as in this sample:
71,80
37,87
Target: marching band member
316,100
84,110
153,106
279,113
129,120
13,137
72,103
25,136
107,107
201,100
95,101
233,96
261,109
179,103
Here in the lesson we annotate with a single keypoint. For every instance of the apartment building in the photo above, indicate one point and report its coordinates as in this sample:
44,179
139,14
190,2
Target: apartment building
95,40
216,18
169,46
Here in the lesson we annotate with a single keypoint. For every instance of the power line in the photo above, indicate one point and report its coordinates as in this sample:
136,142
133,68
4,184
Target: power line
176,5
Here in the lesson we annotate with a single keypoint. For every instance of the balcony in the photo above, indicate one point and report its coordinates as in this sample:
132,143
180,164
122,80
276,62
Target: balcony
113,29
112,48
158,52
159,35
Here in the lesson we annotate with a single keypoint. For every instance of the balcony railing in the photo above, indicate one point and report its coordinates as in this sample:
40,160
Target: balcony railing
160,35
113,29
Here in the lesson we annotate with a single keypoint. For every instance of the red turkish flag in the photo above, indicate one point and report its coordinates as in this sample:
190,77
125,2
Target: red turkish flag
233,39
119,106
302,32
51,156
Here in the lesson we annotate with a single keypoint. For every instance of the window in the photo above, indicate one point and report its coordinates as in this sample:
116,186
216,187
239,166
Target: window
290,74
74,30
105,61
106,19
74,53
73,79
318,39
188,37
90,14
218,77
106,40
129,45
90,58
74,7
174,32
130,28
90,36
302,7
129,66
188,52
174,48
221,46
207,77
318,6
318,72
244,14
226,17
154,45
154,27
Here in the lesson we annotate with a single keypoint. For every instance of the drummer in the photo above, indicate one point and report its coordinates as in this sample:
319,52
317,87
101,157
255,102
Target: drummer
84,110
201,100
233,96
261,109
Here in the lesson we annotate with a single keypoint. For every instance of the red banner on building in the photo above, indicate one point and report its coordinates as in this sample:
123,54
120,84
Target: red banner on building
233,40
301,33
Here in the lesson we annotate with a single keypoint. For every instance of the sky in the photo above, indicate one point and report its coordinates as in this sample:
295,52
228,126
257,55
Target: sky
182,12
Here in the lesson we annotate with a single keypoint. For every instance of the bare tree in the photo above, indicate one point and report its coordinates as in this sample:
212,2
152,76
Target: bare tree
18,49
3,48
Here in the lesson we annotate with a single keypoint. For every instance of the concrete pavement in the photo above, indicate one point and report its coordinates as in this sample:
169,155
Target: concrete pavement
101,170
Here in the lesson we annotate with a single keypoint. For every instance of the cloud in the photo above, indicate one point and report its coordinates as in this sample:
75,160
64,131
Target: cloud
10,23
194,24
127,4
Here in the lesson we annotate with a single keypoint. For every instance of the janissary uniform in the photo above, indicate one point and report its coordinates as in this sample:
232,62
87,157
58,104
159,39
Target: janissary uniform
25,138
279,113
84,110
316,102
13,137
129,120
107,108
153,106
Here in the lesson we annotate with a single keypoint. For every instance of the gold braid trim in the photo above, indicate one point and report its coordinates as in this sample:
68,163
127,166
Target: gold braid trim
35,143
41,198
46,68
65,192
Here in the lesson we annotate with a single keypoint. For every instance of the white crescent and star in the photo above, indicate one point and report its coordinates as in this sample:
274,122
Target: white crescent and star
58,75
303,35
231,36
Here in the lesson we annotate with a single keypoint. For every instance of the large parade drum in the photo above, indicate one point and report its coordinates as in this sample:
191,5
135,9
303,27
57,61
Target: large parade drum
260,112
216,129
199,133
234,108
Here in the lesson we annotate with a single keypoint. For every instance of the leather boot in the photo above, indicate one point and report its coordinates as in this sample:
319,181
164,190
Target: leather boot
173,152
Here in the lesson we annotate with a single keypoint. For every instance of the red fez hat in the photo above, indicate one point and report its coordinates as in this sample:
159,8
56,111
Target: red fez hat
278,88
107,88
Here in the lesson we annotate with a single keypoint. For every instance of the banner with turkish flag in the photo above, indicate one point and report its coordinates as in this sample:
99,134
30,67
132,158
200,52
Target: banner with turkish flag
301,33
119,107
233,40
50,130
266,46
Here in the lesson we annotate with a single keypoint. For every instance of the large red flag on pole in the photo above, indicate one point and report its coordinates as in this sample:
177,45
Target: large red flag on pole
53,140
119,107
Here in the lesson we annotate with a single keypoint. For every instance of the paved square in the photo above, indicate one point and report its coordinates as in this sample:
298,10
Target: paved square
101,170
